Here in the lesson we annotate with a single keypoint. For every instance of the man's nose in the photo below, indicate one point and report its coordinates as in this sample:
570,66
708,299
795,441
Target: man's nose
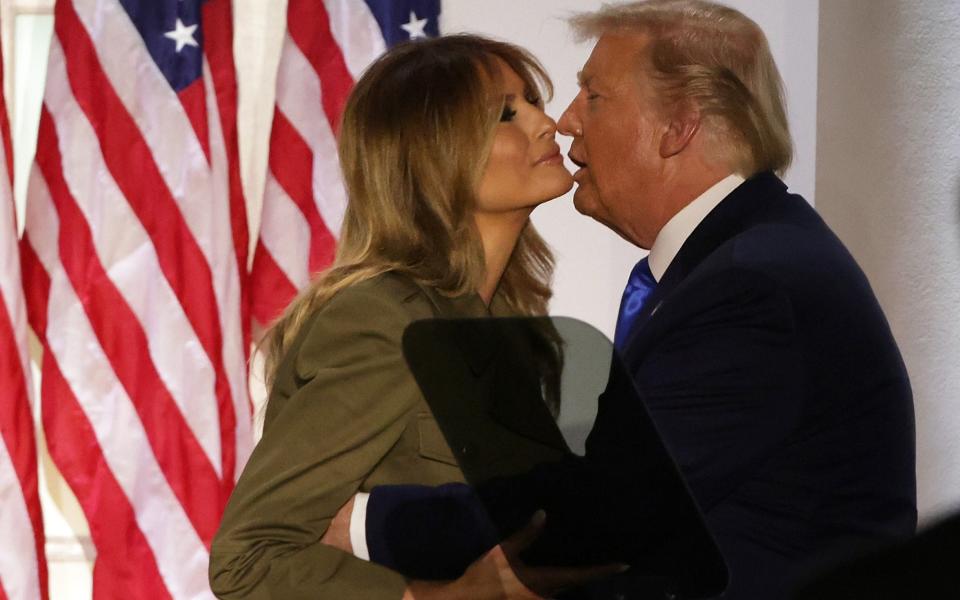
569,123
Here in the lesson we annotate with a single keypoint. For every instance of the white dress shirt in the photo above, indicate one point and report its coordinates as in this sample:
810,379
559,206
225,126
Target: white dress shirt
678,229
358,526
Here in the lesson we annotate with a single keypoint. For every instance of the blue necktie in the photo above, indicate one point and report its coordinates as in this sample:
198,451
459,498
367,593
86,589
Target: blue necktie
638,289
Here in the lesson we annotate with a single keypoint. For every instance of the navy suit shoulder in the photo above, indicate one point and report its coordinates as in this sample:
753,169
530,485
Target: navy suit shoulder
769,368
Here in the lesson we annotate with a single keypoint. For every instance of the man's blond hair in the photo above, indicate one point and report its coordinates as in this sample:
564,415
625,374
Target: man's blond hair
718,60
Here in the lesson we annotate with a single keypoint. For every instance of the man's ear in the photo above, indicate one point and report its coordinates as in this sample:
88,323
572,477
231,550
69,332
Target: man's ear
680,131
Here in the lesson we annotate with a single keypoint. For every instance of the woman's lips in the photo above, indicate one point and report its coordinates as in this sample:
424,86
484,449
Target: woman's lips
554,159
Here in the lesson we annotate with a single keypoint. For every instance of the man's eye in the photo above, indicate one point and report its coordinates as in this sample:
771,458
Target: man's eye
592,96
508,114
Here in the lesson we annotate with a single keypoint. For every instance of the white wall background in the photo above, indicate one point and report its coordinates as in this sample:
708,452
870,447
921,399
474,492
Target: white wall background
888,181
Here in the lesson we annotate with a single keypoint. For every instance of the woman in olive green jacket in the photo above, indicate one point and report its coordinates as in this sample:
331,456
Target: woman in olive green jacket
445,151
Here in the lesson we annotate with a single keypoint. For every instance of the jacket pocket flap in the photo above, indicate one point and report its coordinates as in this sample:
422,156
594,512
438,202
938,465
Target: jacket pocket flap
432,443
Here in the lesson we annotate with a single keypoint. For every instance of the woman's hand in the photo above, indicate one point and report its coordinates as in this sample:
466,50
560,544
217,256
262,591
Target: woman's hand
501,575
338,532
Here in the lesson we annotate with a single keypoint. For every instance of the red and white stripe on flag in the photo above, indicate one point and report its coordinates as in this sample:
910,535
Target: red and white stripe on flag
326,46
133,257
23,569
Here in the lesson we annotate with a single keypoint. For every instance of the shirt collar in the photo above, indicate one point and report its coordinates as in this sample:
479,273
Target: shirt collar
673,235
468,305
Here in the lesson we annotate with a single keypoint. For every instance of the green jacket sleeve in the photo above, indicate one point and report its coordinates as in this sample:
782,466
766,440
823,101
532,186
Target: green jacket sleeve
350,399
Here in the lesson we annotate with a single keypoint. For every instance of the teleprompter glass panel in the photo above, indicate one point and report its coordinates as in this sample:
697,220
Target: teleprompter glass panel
540,413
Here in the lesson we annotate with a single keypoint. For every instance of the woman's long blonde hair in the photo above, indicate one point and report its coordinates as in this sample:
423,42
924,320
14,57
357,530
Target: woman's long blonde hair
416,133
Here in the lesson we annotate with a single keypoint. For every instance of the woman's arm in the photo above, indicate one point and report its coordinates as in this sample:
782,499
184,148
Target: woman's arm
352,402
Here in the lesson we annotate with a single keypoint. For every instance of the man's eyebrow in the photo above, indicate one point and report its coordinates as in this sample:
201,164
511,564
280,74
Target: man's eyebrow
583,80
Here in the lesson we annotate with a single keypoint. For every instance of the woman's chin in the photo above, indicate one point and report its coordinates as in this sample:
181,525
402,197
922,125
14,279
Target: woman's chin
561,182
563,186
555,193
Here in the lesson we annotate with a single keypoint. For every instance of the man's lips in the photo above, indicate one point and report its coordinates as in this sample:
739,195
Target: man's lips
574,158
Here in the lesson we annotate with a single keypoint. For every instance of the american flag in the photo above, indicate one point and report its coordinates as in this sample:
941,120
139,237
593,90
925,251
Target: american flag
23,570
328,43
134,261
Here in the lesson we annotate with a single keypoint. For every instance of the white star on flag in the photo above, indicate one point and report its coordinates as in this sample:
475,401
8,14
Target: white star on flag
415,26
182,35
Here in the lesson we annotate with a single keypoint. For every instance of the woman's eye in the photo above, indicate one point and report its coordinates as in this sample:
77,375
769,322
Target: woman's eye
508,114
534,100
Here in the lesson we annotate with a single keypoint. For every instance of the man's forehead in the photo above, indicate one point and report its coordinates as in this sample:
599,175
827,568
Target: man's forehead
614,55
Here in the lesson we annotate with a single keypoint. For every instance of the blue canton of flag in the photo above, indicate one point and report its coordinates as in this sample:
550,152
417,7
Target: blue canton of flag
402,20
172,31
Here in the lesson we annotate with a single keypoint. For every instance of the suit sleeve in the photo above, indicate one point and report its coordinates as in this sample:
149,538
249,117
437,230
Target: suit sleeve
724,381
427,532
353,401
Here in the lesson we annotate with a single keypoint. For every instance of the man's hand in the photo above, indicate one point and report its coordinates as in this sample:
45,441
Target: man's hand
501,575
547,581
338,533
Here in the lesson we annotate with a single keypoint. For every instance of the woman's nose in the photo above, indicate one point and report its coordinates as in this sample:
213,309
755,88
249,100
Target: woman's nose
548,127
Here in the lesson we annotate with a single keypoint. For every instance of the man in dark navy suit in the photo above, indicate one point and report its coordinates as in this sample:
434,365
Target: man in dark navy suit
752,335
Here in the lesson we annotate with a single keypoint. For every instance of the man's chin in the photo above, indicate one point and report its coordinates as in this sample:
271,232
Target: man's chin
585,201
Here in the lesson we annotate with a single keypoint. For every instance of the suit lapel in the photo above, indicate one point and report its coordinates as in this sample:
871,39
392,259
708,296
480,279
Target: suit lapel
455,307
475,344
733,215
